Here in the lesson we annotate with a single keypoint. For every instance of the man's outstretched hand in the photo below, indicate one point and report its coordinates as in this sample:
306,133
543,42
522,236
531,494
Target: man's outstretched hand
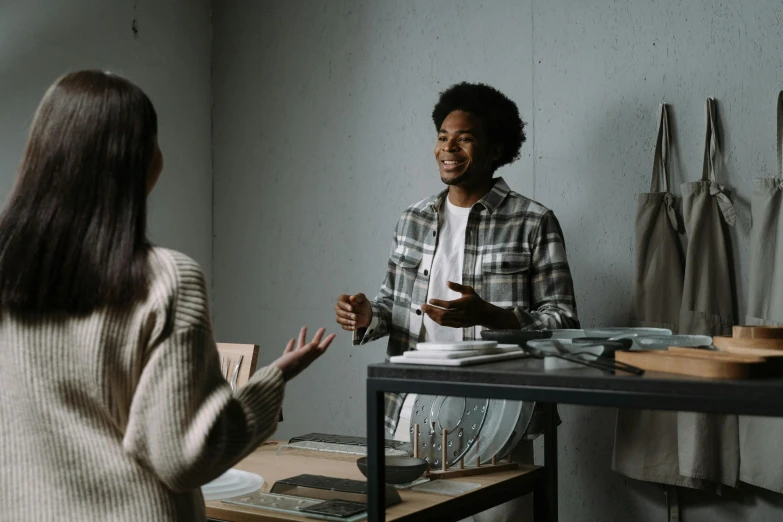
469,310
353,311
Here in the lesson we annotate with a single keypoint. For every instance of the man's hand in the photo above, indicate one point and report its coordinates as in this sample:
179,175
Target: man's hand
298,355
468,310
353,311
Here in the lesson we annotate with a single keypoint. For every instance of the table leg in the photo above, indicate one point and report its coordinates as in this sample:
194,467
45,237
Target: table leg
545,494
376,506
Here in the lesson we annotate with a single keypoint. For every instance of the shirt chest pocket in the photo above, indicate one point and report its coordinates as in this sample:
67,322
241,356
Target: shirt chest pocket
505,277
406,258
406,263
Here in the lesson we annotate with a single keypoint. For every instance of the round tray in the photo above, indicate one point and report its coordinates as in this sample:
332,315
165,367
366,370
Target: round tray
568,334
503,429
623,331
461,417
663,342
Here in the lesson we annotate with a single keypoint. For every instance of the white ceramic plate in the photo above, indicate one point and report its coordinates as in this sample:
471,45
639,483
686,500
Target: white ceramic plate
232,483
456,345
457,354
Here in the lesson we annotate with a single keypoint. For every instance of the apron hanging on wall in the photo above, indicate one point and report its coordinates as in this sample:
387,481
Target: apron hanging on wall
761,462
708,444
645,446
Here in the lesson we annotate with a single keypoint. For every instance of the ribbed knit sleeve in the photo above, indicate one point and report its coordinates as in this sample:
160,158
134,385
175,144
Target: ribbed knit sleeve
185,424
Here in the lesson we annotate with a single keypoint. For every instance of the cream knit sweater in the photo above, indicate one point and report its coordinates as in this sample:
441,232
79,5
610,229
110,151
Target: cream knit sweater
122,415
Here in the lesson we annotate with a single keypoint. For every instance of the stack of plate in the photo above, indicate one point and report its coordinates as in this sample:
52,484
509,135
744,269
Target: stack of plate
232,483
459,353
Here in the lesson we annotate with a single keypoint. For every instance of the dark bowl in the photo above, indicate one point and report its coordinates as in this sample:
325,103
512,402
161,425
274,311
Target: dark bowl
399,470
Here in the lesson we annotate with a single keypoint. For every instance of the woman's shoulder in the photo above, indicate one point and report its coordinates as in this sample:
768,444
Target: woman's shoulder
177,283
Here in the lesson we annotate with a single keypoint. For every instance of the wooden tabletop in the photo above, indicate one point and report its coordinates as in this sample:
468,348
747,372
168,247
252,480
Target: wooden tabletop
414,507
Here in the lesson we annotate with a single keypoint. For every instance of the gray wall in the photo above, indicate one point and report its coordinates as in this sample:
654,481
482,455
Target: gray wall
169,58
322,137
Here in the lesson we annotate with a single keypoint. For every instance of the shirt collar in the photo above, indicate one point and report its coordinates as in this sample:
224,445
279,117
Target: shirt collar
491,200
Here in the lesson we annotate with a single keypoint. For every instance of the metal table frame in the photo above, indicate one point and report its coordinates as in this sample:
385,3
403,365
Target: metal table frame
526,379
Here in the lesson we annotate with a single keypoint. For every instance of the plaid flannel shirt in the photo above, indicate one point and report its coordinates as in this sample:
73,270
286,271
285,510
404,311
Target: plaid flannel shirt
514,258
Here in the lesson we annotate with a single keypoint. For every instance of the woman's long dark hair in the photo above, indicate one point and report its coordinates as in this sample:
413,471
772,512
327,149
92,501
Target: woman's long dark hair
73,234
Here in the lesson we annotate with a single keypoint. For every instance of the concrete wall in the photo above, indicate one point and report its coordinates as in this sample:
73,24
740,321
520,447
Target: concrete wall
322,137
168,57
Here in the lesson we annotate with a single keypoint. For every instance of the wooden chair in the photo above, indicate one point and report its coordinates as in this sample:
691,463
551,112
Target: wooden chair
231,352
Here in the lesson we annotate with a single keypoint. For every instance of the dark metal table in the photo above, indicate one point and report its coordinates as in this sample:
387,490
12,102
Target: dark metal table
526,379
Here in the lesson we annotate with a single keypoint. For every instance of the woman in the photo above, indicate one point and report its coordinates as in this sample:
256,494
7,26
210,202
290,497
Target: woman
112,402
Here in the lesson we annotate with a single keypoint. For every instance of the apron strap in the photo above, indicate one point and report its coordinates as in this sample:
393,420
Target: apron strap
672,503
661,159
711,154
710,145
780,134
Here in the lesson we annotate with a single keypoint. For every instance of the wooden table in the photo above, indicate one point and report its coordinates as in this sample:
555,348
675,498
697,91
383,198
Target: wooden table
526,379
495,488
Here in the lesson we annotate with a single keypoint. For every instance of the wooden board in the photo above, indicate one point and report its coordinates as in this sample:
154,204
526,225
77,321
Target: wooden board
758,332
231,352
712,354
725,366
760,352
415,506
764,344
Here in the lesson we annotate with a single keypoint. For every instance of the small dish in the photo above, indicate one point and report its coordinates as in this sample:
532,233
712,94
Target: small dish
399,470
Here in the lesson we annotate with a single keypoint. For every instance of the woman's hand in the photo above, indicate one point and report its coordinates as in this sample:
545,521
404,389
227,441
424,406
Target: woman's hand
299,354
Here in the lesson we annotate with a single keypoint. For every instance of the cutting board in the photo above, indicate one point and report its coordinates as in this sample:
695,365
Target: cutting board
697,363
465,361
758,332
761,343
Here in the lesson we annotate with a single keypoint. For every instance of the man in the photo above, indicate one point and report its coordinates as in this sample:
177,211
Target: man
477,255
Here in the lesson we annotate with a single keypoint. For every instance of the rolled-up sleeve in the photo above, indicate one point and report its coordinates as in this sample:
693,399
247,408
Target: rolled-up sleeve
553,304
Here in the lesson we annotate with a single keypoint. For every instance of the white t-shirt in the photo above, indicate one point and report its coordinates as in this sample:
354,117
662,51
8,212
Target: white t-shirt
446,266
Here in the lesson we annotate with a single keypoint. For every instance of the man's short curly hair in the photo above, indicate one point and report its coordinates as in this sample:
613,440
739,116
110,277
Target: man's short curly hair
500,115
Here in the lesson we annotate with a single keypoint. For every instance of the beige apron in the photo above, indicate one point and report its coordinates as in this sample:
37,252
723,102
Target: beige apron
645,446
761,461
708,444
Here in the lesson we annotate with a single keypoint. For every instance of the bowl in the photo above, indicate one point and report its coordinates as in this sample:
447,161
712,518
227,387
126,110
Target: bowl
399,470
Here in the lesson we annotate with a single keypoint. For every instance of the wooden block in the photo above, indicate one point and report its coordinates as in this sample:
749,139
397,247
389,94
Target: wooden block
727,367
444,452
416,441
760,343
759,352
758,332
462,459
476,470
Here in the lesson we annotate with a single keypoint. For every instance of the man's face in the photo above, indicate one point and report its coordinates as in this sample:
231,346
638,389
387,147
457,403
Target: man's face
463,152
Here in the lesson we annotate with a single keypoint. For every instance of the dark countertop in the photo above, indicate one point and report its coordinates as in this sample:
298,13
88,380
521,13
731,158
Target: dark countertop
526,379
